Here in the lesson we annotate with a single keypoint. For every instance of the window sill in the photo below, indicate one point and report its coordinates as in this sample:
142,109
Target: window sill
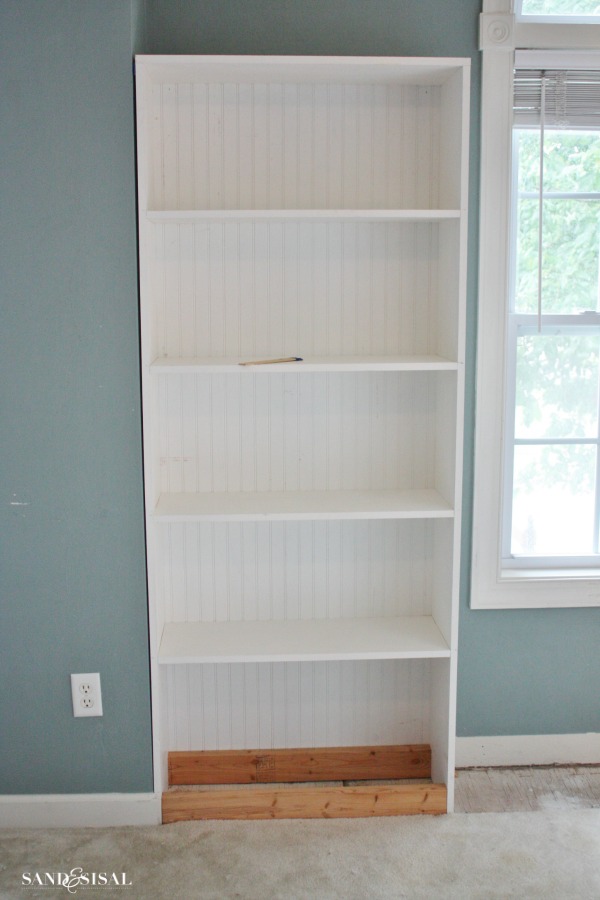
562,574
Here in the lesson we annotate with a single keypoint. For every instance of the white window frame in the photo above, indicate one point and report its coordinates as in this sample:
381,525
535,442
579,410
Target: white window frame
493,587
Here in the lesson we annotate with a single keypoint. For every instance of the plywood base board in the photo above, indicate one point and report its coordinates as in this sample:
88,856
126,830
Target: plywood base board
304,802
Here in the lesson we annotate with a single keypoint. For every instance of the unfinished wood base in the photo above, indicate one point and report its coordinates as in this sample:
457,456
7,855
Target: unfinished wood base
305,802
297,765
315,764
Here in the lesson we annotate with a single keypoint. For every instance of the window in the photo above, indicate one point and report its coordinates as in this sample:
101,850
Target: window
536,517
551,475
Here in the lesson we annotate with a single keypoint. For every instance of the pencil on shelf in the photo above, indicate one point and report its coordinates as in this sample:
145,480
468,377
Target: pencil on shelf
268,362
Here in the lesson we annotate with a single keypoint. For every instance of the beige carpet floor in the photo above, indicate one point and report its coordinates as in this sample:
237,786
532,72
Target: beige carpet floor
551,855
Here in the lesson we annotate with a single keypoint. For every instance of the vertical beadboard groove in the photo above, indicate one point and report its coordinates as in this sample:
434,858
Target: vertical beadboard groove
238,147
244,707
357,145
386,143
223,264
215,707
213,571
224,179
192,195
208,288
433,191
209,174
161,166
186,585
163,332
371,108
252,148
178,192
328,155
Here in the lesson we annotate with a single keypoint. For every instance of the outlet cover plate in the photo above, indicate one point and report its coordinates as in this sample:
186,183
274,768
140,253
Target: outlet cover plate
86,694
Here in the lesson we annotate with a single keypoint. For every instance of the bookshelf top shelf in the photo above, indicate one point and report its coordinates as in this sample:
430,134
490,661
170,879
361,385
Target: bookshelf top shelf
300,69
407,637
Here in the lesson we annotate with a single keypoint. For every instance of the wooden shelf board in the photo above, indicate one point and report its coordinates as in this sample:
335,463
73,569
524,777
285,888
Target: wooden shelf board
304,640
190,365
251,506
304,802
191,216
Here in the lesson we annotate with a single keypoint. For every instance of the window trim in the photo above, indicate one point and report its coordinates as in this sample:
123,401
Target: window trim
491,586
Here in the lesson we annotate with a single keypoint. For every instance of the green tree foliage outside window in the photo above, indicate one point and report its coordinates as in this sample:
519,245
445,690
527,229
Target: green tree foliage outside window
571,232
561,8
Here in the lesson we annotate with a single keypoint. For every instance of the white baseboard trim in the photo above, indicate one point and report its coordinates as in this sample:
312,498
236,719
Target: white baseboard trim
78,810
106,810
528,750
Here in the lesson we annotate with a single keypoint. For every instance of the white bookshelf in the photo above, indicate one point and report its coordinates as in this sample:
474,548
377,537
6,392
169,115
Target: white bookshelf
303,518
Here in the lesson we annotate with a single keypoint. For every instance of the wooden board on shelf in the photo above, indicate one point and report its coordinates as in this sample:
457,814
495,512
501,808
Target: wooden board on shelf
298,765
305,802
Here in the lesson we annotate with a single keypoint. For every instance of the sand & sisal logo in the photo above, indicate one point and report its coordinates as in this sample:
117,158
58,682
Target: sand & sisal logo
76,879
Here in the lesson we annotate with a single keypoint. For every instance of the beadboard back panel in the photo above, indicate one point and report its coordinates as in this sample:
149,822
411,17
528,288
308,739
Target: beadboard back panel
367,431
292,146
220,572
257,289
216,707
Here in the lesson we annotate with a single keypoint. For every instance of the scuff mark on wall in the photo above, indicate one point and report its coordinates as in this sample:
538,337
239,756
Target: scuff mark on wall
15,502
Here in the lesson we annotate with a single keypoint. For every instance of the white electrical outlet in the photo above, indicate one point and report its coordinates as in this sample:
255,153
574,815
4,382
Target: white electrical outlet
86,694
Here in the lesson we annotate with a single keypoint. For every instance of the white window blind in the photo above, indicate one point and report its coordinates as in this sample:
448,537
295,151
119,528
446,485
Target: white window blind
571,97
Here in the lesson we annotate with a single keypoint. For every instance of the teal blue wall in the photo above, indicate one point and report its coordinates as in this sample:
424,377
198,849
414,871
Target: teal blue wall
353,27
72,586
72,568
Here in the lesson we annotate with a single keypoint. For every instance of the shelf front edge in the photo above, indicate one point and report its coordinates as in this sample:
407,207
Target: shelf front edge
301,506
222,216
231,365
